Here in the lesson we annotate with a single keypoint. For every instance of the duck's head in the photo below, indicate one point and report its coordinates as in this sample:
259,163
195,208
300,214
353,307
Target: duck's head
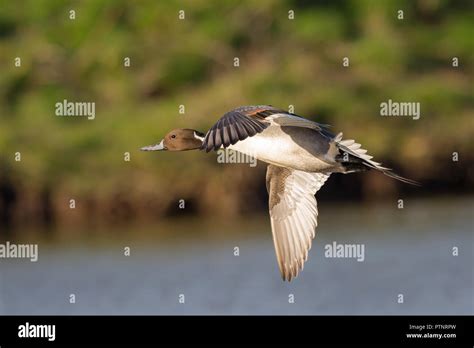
180,139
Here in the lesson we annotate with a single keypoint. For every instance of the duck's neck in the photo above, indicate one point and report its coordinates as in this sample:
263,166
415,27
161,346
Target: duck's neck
192,140
199,136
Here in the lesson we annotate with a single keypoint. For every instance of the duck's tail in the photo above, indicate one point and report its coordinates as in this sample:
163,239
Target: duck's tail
354,159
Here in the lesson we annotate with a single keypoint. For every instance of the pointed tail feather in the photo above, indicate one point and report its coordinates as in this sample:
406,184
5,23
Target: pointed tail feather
356,152
395,176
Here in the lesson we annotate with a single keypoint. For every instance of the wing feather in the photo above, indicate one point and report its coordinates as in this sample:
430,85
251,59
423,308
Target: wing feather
237,125
247,121
293,215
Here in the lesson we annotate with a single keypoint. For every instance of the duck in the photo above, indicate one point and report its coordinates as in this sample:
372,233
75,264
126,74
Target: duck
301,155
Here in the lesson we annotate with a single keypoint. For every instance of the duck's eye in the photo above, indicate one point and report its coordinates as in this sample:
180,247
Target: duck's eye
173,136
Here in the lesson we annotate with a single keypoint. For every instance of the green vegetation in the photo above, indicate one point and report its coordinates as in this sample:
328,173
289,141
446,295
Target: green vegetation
190,62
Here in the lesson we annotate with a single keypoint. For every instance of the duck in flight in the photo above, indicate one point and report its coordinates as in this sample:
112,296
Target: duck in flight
301,155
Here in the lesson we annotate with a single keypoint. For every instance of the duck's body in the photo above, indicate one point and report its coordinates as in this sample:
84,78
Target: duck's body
301,155
293,147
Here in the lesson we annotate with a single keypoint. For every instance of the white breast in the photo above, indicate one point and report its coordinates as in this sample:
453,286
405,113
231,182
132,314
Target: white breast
276,147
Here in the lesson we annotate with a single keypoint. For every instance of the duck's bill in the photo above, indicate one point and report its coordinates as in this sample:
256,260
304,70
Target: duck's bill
156,147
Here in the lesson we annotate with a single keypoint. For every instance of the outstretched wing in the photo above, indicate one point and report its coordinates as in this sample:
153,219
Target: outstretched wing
246,121
293,215
236,125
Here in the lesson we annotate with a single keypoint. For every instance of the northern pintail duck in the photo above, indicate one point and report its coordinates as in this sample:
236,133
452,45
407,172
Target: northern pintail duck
301,155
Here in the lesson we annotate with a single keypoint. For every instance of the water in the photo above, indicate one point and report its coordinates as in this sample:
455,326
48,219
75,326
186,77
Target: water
407,252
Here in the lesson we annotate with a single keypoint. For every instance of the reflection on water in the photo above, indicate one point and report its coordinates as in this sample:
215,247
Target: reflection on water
408,252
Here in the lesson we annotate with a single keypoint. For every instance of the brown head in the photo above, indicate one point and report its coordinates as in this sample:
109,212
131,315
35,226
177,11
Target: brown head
180,139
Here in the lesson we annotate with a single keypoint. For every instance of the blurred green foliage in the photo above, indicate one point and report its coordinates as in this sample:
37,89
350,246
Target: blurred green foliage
190,62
